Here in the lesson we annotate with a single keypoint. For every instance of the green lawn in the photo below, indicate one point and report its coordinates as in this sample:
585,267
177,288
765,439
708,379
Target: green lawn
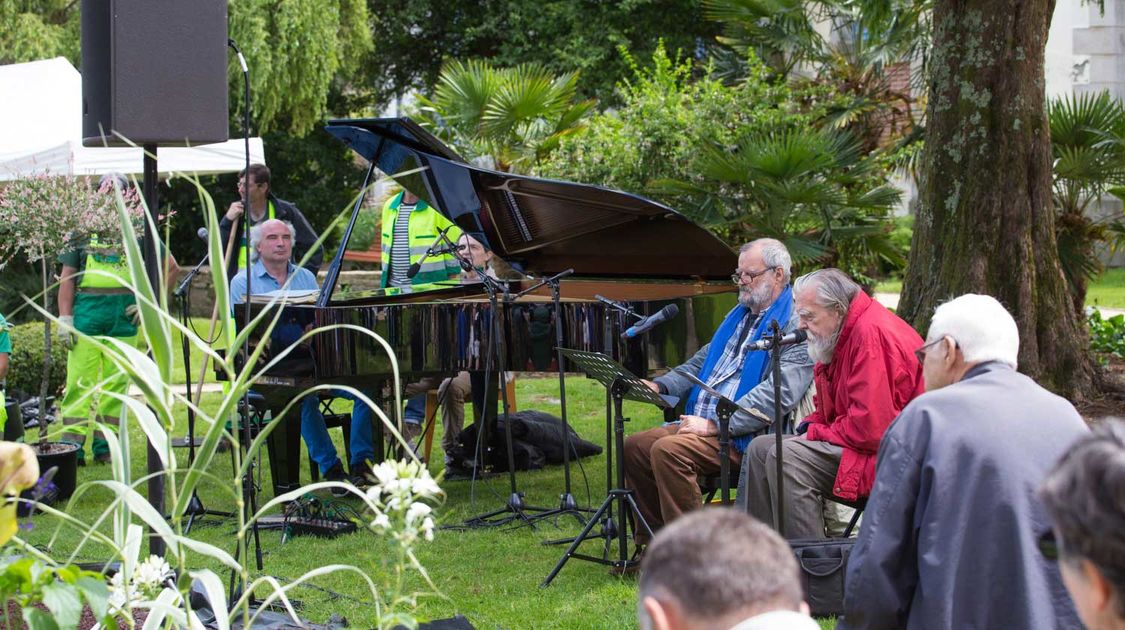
490,576
1108,290
201,326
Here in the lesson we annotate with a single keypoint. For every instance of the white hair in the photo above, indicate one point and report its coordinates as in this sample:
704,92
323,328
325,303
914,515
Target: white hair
256,235
983,329
774,254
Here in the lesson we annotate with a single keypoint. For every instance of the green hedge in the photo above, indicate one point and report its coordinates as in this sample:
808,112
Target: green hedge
26,369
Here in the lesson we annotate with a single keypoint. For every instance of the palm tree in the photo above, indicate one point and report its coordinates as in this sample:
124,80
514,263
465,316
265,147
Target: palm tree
1088,147
813,189
515,116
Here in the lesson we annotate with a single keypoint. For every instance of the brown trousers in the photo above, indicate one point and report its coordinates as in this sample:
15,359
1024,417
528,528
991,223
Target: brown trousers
663,467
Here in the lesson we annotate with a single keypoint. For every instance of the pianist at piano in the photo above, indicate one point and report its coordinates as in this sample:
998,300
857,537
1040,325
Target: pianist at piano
271,243
662,464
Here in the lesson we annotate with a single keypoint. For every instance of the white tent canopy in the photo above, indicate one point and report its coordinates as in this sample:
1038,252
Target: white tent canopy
41,132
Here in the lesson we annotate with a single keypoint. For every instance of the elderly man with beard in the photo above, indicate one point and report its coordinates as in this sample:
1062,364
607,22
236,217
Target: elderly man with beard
865,373
662,465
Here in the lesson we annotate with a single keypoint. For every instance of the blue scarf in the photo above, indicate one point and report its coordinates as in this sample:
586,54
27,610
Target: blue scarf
757,362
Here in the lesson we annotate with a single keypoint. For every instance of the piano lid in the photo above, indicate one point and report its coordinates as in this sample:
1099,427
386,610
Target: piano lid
544,225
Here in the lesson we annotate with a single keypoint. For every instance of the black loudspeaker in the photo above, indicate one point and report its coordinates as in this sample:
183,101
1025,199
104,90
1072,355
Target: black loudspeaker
154,72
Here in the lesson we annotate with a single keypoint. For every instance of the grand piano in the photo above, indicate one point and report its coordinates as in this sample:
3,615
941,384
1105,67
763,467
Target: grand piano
620,246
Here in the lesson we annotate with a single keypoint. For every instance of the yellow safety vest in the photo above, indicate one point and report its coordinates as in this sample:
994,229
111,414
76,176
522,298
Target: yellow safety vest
107,260
244,249
425,223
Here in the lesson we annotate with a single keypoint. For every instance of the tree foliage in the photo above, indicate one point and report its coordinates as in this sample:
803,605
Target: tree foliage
515,116
413,38
745,160
38,29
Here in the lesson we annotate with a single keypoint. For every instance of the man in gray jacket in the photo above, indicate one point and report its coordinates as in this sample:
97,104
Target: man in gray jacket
950,530
662,465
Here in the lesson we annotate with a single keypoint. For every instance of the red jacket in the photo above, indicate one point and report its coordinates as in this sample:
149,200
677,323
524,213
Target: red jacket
873,374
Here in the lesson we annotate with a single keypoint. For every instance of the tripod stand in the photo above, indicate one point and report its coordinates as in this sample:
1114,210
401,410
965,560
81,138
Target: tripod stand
515,508
620,385
567,504
195,507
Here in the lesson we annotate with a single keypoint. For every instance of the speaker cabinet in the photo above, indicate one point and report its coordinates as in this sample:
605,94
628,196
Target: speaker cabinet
154,72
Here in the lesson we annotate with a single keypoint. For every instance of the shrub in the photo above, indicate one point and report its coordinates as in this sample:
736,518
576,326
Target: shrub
26,368
1107,336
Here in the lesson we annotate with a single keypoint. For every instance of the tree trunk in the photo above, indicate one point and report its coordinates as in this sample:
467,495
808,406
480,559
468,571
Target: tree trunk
986,223
41,443
43,384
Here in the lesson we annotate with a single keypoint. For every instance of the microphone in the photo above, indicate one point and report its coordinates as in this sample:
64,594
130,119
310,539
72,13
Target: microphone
652,321
416,267
202,233
608,302
794,337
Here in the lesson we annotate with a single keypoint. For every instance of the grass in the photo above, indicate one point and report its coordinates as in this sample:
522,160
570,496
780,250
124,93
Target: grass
1107,290
200,325
491,576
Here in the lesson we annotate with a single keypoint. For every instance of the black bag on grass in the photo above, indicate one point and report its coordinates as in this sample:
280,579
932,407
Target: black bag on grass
822,564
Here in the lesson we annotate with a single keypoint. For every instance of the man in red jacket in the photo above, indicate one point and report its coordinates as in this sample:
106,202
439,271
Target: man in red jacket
865,373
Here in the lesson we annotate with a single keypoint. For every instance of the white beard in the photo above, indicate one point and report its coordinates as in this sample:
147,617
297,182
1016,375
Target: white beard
757,300
821,349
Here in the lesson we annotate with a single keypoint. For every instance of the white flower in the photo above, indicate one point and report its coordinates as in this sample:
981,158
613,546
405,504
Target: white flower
416,512
381,522
425,486
151,573
428,528
385,473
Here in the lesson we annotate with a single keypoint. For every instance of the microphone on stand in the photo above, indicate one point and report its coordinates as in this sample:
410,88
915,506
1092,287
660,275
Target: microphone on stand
202,233
652,321
794,337
430,251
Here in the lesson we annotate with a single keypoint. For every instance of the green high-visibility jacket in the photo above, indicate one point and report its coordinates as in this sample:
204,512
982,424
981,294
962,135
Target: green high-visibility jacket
425,223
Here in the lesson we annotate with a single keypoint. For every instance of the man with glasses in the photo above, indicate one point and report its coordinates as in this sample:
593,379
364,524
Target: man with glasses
865,374
662,465
952,522
264,205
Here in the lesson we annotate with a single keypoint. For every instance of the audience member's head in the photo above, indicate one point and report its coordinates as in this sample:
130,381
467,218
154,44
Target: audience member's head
1085,497
472,249
763,271
713,568
965,331
272,240
822,298
259,184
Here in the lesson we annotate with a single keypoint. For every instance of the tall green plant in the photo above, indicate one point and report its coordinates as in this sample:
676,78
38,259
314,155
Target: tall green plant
143,584
1088,147
514,115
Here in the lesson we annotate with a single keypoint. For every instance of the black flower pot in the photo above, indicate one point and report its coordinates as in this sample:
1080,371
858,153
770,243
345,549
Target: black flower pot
64,456
13,428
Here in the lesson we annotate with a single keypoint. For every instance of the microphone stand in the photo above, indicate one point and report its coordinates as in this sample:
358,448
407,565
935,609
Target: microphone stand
775,366
567,504
195,506
249,495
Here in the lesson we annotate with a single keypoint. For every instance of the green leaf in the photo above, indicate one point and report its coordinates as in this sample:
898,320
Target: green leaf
63,601
37,619
96,593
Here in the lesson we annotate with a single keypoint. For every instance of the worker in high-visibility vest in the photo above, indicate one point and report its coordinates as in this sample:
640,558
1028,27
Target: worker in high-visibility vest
5,355
265,205
410,227
95,299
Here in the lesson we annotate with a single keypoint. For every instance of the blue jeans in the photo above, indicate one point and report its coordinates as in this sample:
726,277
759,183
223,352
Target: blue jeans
415,409
315,433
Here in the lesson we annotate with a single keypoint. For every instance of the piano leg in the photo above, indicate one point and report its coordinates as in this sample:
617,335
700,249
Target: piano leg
283,445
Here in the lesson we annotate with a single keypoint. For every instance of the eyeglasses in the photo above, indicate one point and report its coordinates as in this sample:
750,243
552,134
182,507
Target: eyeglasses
921,352
738,276
1048,546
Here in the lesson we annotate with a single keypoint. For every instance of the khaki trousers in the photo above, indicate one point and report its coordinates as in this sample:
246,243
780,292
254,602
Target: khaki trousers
809,472
663,467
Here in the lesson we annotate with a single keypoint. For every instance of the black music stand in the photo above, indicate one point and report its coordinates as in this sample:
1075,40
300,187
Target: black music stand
621,384
725,410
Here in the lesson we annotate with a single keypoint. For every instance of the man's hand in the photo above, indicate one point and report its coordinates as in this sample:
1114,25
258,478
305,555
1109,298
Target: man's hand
65,331
234,211
653,386
697,425
134,313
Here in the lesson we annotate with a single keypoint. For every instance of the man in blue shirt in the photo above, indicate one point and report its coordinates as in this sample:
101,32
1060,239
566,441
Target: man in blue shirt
272,243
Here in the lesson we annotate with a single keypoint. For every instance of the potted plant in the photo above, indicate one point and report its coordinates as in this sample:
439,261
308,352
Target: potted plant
40,216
